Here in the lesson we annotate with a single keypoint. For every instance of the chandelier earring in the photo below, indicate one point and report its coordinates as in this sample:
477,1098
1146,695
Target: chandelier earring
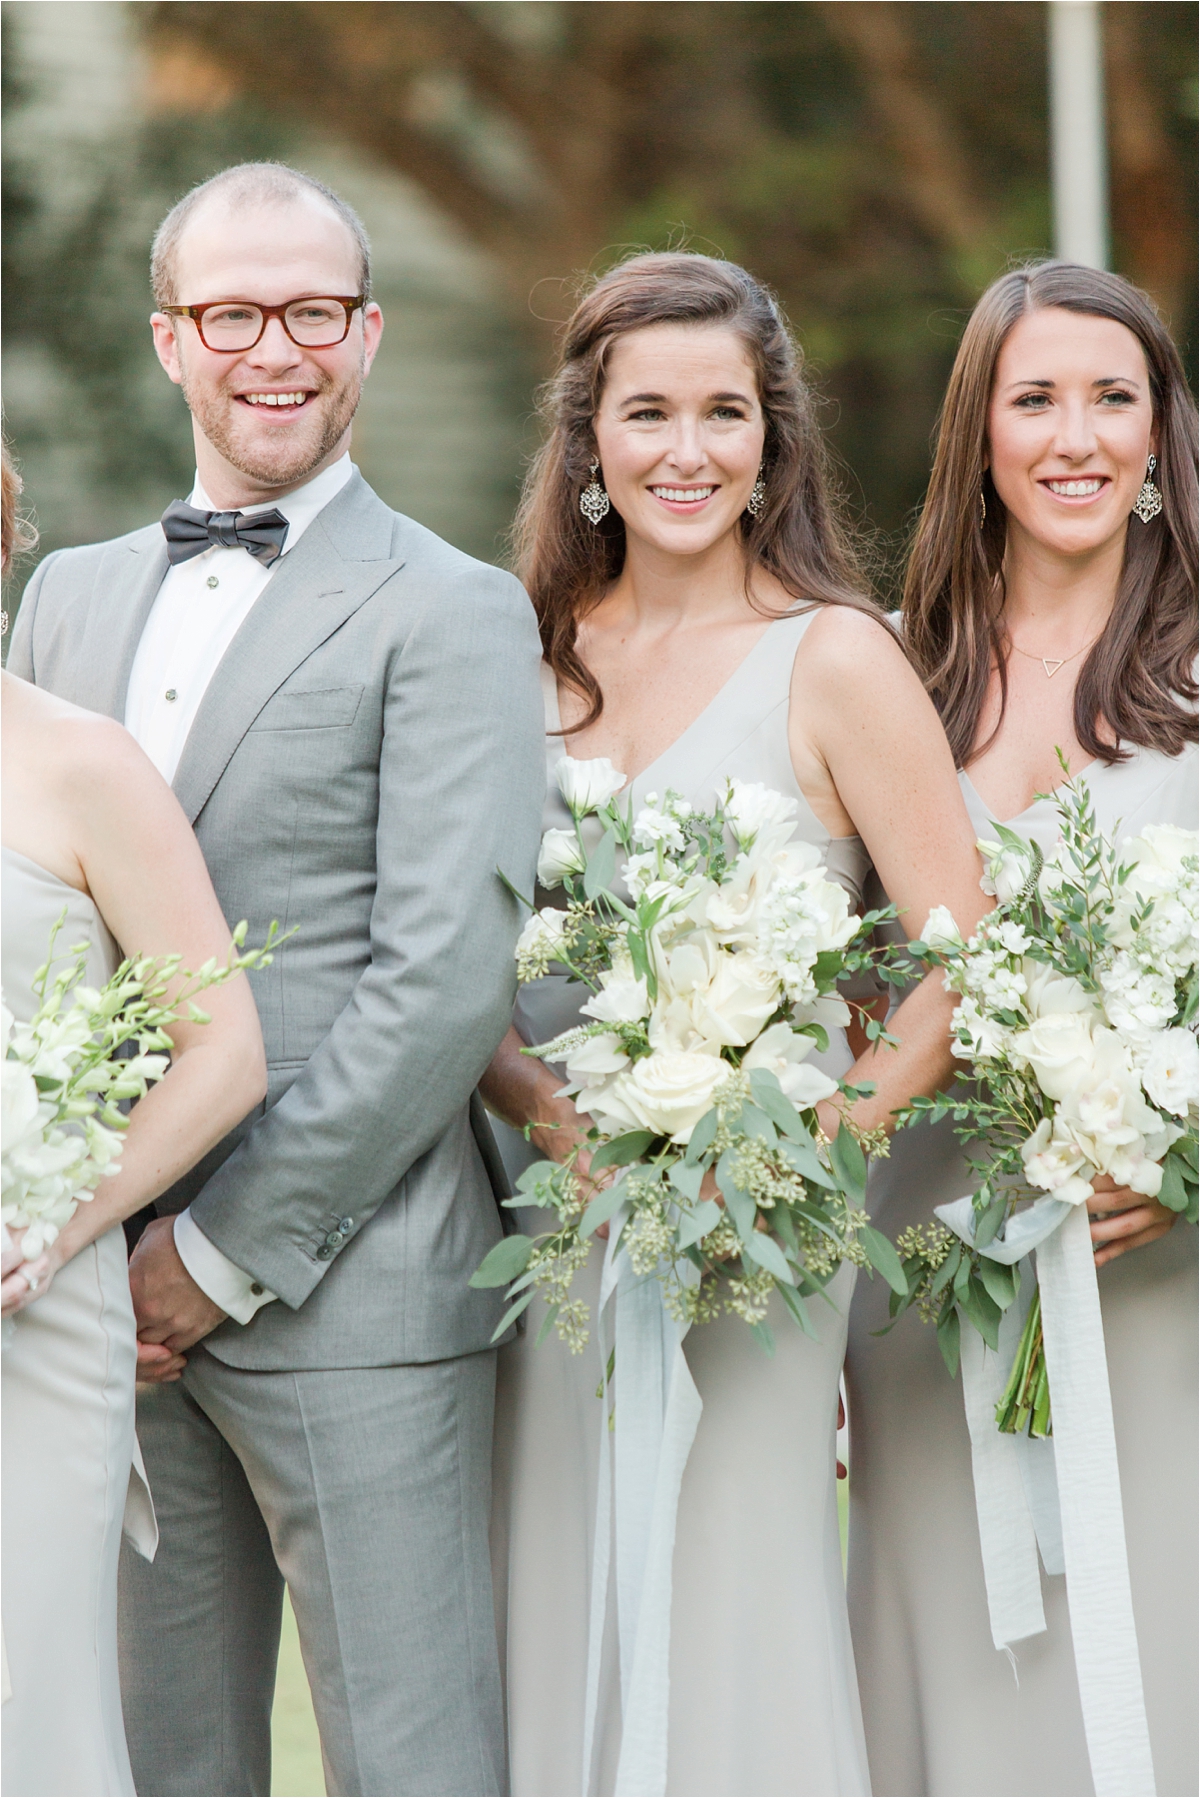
1149,502
594,502
758,496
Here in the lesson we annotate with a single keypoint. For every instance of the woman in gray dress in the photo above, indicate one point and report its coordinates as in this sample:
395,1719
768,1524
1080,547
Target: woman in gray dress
1050,602
93,835
709,624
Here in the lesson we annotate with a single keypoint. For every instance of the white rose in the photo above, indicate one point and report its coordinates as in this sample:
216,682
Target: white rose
587,786
669,1090
709,997
560,855
540,942
1049,993
621,1000
1052,1164
1170,1074
1006,868
985,1040
1160,850
597,1058
1058,1049
784,1054
751,809
941,931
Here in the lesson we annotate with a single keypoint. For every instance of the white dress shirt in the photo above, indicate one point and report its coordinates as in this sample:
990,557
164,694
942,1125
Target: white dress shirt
198,611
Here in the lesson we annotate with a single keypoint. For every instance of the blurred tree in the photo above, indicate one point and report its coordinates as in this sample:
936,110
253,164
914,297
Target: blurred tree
876,162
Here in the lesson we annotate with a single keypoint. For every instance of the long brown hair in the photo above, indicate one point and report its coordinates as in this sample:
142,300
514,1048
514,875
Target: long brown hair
1139,677
567,564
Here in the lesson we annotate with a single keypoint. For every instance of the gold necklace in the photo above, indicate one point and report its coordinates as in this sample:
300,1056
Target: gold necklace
1048,663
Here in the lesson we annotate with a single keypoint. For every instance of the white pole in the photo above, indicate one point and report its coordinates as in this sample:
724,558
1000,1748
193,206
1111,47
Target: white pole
1078,150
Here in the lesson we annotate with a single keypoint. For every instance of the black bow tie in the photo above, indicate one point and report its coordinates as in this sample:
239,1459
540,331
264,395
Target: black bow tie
189,532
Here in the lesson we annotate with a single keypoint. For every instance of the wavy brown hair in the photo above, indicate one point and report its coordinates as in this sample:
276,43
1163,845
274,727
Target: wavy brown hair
1139,679
568,565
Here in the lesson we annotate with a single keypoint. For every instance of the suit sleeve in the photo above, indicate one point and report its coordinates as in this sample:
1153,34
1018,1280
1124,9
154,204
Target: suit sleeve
461,781
20,649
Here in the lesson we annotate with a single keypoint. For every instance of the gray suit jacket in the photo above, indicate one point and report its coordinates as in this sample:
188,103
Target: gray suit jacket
368,753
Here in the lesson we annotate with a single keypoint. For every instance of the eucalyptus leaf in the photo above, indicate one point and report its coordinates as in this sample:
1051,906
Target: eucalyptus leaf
547,1326
765,1338
1001,1282
511,1315
948,1334
601,1208
881,1253
803,1157
694,1225
701,1138
602,866
988,1223
796,1306
687,1180
509,1258
766,1252
536,1175
623,1149
849,1164
755,1122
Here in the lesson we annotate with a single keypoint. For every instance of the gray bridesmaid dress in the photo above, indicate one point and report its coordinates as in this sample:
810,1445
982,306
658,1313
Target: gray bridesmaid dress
763,1693
72,1475
943,1711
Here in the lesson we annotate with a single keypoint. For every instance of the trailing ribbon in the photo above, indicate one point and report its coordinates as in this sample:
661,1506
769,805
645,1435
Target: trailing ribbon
1065,1496
657,1410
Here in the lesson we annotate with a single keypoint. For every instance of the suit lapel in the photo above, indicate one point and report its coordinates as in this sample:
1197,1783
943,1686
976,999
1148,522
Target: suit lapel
127,584
342,559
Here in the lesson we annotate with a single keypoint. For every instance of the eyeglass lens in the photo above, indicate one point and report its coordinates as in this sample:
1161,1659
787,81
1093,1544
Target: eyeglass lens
310,322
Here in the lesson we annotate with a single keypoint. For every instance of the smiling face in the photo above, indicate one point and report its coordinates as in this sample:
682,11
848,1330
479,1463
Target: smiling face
679,433
267,418
1070,428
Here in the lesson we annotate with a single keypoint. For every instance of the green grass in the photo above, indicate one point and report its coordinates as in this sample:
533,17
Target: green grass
295,1745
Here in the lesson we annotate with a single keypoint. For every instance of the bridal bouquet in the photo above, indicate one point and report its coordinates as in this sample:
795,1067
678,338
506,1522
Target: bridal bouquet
712,965
64,1078
1077,1020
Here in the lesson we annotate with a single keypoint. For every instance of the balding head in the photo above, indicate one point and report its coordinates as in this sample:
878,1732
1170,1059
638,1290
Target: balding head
249,186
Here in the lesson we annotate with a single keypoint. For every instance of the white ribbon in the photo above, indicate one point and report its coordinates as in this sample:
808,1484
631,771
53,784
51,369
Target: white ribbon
656,1416
1065,1496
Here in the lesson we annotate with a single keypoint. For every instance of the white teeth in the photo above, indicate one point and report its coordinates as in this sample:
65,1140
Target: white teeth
1075,489
682,495
275,399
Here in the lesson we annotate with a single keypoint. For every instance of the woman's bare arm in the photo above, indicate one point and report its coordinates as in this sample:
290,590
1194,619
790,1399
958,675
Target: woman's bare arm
140,862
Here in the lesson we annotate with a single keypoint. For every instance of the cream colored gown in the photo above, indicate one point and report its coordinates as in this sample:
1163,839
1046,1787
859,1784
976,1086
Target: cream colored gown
943,1712
68,1448
763,1693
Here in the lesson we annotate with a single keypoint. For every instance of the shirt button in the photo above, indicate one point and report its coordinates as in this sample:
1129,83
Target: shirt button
345,1225
170,693
212,581
256,1289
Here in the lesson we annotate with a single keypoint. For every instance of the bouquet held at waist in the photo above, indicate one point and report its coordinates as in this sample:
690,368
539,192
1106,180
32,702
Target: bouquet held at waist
67,1072
711,962
1077,1022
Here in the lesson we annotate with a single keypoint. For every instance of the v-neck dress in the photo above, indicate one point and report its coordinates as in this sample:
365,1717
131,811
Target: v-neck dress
943,1711
763,1692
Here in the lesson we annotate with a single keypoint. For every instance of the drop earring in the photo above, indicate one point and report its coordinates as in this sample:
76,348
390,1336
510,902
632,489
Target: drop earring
758,497
982,508
1149,502
594,502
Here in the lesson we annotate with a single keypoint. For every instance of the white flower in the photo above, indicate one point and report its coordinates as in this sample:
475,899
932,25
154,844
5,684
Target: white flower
1006,868
941,931
540,942
802,917
1170,1074
560,855
667,1091
1058,1049
597,1058
709,997
587,786
1048,993
751,809
661,823
20,1108
621,1000
977,1037
1138,1002
1052,1164
783,1053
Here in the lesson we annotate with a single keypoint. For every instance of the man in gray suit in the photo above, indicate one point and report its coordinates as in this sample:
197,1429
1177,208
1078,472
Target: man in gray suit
349,712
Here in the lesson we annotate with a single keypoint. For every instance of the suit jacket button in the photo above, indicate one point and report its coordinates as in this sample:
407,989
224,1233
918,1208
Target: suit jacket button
345,1225
324,1252
332,1240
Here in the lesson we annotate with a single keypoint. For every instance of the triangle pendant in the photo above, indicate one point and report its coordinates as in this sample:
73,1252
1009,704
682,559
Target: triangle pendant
1051,668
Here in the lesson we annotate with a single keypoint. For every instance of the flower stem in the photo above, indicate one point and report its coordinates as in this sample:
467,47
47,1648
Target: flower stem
1026,1401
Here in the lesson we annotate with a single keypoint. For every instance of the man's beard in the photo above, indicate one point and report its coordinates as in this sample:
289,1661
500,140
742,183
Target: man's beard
284,463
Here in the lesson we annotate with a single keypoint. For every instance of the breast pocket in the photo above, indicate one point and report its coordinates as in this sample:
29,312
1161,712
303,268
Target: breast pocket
317,708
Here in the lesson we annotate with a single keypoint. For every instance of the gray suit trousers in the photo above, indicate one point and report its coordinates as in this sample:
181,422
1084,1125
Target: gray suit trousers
368,1491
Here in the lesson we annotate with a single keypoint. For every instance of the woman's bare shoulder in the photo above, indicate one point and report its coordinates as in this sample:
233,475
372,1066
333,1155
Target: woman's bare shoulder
848,643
